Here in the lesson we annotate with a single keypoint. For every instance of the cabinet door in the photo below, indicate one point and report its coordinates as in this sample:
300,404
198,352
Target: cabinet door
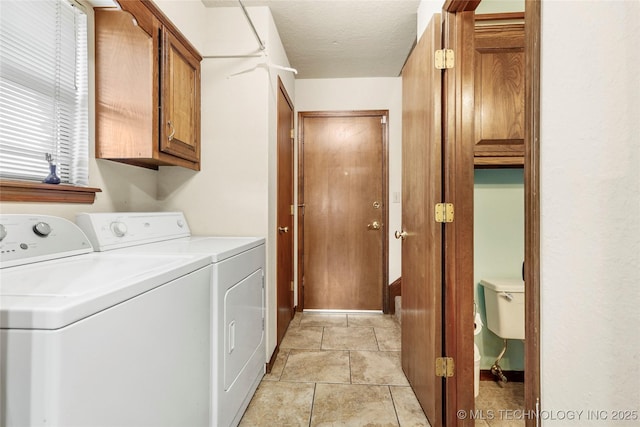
126,91
499,95
180,100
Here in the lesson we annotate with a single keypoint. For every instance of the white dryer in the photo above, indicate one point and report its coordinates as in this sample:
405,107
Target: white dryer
237,295
89,339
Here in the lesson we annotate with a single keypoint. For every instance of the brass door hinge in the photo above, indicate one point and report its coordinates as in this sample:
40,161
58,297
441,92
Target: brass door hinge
292,210
292,134
292,286
444,59
444,212
445,367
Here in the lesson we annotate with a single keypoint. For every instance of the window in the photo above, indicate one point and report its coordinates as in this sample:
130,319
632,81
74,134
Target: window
43,90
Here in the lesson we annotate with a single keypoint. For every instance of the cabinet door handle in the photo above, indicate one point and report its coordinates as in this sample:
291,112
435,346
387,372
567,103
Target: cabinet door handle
173,130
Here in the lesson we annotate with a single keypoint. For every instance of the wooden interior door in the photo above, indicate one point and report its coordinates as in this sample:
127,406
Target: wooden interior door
422,236
344,209
284,242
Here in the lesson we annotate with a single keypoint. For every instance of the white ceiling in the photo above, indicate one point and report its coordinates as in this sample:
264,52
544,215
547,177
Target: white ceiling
342,38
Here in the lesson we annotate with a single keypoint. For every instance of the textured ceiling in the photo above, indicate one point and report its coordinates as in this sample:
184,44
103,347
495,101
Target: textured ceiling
342,38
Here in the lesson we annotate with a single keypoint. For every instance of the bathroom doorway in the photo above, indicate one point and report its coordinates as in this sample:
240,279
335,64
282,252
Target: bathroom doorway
511,197
498,258
499,149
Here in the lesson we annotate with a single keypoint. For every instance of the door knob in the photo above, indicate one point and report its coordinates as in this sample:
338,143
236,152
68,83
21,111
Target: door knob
401,234
283,229
375,225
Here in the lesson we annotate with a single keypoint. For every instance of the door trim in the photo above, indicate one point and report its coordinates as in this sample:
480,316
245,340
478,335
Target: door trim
532,207
458,181
385,196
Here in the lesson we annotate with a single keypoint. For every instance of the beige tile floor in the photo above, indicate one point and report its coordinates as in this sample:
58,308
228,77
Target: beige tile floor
337,370
501,405
344,370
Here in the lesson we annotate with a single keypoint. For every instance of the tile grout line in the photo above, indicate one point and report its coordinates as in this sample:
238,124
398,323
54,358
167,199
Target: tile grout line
285,364
393,402
375,336
313,401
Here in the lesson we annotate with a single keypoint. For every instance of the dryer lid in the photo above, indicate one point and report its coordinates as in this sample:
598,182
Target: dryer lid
217,248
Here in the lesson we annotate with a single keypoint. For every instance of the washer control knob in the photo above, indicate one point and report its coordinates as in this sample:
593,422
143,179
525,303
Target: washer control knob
42,229
180,223
3,232
119,229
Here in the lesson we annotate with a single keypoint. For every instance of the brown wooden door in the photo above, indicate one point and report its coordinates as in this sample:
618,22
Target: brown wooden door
437,260
284,242
180,118
345,212
422,245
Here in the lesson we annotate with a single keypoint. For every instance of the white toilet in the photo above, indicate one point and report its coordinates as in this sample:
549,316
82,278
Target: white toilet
504,303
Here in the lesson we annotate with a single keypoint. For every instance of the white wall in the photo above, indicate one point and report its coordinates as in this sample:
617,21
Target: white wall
124,187
228,196
235,191
590,207
426,9
366,94
500,6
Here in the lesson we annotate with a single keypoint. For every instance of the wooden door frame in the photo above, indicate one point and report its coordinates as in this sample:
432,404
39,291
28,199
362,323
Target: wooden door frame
532,19
457,391
458,181
385,196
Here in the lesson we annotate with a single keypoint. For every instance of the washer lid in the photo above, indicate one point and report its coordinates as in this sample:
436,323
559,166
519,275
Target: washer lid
53,294
504,285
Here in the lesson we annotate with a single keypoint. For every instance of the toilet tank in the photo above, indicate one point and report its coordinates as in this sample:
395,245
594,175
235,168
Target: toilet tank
504,302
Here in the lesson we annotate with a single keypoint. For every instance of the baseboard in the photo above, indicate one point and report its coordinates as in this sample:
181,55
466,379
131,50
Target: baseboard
512,376
272,361
395,289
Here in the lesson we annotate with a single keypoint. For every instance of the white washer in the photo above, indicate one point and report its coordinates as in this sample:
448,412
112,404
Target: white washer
237,295
90,339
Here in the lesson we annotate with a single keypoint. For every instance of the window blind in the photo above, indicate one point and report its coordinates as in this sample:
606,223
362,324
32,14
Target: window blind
43,90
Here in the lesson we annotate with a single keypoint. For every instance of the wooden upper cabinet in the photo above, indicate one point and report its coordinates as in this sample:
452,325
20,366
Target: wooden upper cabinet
181,107
499,95
147,88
